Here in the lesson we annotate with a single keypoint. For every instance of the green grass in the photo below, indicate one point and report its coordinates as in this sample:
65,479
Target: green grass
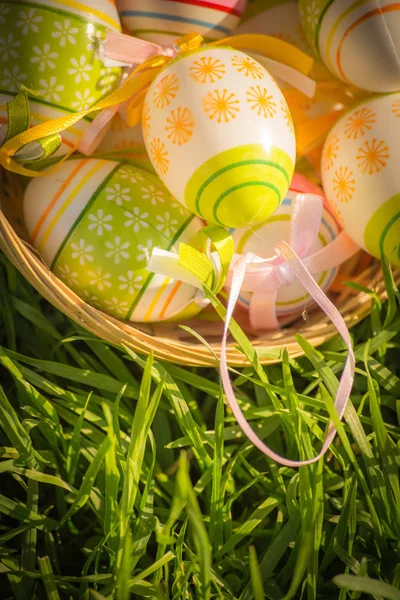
122,477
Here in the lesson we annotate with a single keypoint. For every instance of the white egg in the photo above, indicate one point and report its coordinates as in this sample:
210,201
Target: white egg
220,135
360,175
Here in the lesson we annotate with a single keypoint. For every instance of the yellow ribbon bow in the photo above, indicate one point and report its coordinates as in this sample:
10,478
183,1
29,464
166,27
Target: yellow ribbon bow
135,88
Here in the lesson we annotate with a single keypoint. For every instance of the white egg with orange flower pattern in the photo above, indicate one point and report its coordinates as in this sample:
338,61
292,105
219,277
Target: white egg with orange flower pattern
220,136
360,174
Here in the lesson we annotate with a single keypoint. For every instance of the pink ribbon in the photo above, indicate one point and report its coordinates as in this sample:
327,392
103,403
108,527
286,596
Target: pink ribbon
129,51
266,276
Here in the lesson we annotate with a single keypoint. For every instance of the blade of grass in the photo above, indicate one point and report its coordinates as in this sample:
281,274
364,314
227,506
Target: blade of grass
144,415
83,376
48,578
88,481
74,447
217,491
146,522
29,538
367,586
15,432
256,581
201,540
112,479
253,521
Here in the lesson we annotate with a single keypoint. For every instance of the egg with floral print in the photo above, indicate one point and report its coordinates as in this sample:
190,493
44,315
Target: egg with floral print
360,164
220,135
52,48
359,41
164,22
261,240
95,223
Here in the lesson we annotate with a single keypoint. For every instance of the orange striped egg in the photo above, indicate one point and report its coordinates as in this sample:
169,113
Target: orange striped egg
95,223
52,47
358,40
165,21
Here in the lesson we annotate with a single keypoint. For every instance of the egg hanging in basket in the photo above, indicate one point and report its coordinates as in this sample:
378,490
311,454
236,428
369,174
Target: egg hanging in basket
95,223
358,41
360,164
52,49
164,22
220,135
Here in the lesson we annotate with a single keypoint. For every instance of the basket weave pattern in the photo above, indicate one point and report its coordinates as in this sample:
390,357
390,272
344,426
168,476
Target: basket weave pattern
168,341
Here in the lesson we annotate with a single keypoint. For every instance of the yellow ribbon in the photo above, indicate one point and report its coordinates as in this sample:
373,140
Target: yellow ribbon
135,87
201,264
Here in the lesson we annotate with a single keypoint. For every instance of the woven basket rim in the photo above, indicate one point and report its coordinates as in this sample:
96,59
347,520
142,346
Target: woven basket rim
354,306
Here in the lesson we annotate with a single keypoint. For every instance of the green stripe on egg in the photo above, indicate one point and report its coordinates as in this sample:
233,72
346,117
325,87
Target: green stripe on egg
382,233
240,186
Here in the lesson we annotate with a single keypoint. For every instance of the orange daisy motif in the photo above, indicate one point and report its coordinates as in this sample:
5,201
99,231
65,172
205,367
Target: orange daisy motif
159,154
330,152
221,105
344,184
166,90
244,64
396,108
359,123
261,102
372,156
146,120
207,70
287,115
180,125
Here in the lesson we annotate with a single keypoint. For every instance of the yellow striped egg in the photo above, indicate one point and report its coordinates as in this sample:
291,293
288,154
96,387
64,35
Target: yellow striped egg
125,143
52,47
358,40
261,240
360,164
220,136
164,22
95,223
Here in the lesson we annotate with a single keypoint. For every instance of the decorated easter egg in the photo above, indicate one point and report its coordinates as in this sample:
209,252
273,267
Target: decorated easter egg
360,174
52,47
125,143
95,223
358,41
220,136
278,18
163,22
261,239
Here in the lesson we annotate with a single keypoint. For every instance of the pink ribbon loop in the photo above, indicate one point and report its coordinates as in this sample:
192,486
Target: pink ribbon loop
264,277
129,52
346,381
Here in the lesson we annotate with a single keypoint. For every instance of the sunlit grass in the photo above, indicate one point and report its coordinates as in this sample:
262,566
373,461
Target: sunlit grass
122,477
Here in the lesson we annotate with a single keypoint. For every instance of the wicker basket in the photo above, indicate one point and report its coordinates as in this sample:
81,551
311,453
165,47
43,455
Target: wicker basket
169,341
